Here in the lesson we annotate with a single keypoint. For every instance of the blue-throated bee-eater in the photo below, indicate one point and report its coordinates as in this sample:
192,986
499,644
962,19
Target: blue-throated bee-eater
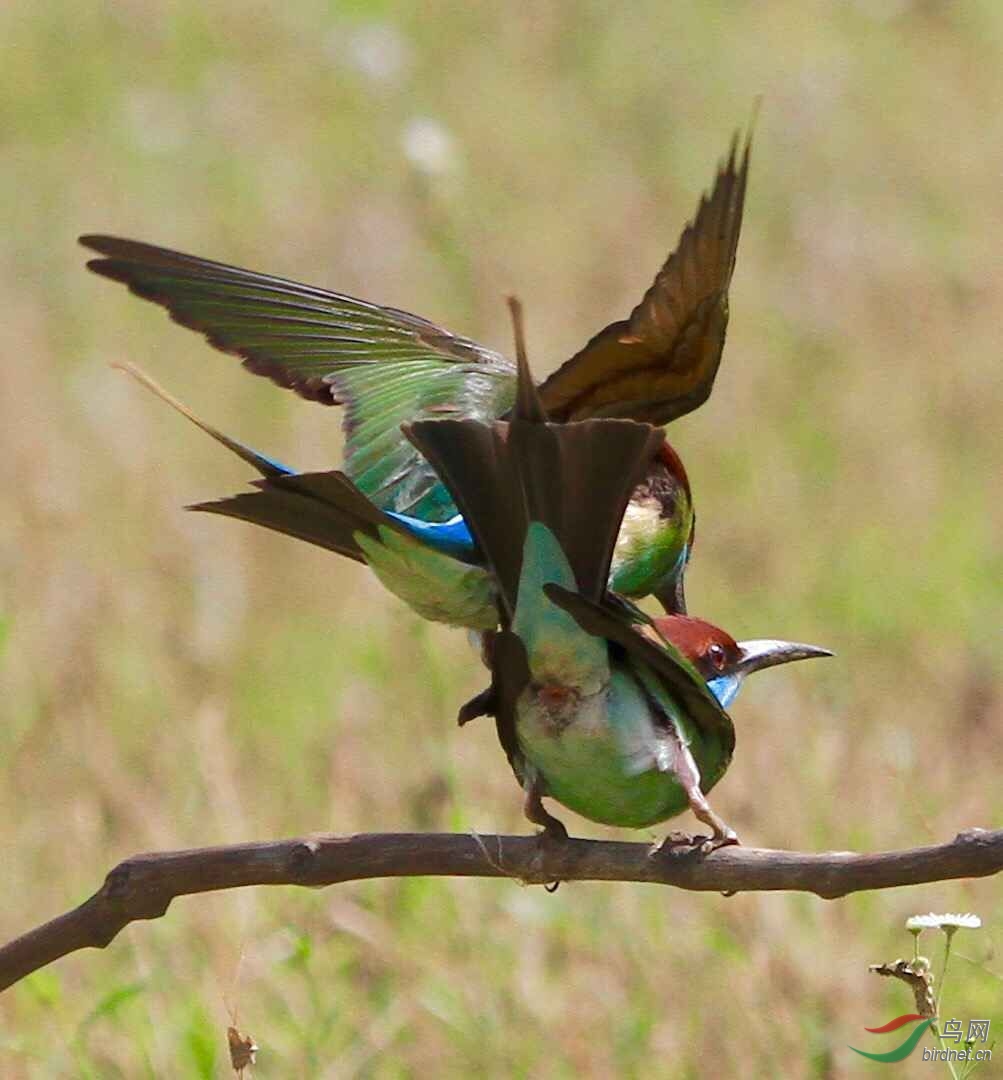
515,510
617,717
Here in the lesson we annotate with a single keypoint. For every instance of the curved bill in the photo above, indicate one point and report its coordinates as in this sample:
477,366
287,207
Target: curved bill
765,652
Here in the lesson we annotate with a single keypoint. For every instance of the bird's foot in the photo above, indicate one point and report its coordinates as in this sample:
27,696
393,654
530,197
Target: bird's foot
673,841
549,841
722,835
676,841
725,838
553,835
679,761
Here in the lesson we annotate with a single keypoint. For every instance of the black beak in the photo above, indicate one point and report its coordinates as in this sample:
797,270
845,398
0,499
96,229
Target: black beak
764,653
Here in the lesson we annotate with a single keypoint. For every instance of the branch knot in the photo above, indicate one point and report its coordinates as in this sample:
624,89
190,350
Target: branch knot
302,856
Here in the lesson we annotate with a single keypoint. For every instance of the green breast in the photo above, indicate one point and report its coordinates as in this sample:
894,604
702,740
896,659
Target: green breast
650,548
579,752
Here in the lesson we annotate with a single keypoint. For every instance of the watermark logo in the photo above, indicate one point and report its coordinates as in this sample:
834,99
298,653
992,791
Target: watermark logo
917,974
901,1052
952,1030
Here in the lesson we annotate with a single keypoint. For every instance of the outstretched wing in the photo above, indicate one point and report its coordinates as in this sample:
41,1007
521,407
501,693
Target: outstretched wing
385,365
661,362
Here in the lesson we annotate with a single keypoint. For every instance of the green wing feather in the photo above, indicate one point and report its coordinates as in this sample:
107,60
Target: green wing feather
385,365
382,397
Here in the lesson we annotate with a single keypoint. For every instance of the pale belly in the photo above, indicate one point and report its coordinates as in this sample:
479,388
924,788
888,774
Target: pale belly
577,745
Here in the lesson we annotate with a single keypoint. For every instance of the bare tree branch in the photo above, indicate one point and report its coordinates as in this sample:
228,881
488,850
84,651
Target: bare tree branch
144,886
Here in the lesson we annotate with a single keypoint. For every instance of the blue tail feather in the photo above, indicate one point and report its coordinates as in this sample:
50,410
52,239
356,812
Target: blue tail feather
451,537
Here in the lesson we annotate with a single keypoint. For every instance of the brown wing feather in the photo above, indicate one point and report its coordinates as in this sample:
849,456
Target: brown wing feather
661,362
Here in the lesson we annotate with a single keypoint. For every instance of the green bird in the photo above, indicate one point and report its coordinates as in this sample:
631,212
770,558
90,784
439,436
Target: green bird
619,717
595,706
388,367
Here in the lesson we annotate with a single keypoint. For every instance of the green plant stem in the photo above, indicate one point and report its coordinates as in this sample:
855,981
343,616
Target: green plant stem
949,934
935,1028
943,970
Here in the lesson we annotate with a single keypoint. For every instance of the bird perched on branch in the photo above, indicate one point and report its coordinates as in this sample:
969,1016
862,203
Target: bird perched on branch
526,513
617,717
388,367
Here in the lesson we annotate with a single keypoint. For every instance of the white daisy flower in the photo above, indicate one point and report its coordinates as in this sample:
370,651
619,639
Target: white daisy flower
948,923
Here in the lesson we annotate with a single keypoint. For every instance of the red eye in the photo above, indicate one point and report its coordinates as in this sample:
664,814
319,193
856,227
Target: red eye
717,657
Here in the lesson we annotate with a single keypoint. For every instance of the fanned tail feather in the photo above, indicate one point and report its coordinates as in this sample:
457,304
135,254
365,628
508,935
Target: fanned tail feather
574,478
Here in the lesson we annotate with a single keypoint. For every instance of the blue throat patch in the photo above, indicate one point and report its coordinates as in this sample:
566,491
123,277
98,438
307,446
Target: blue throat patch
725,688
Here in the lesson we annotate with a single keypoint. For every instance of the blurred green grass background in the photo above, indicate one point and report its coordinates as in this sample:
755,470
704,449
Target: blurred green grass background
173,680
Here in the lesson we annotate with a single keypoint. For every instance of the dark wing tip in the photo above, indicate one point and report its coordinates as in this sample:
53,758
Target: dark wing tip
138,251
727,199
128,261
676,333
116,270
528,404
102,243
134,251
